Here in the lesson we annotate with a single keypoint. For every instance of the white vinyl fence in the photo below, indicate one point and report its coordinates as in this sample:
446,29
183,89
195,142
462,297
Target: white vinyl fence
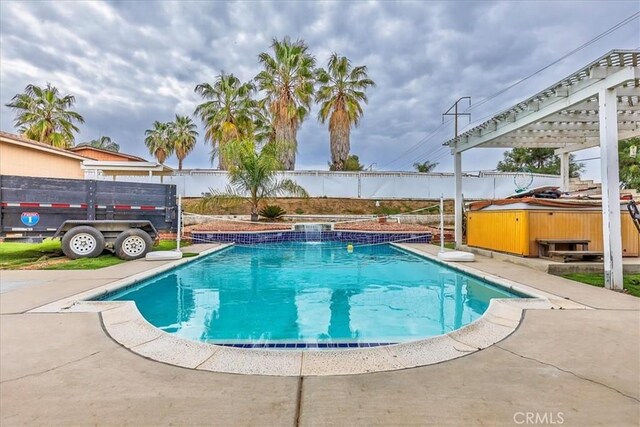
365,185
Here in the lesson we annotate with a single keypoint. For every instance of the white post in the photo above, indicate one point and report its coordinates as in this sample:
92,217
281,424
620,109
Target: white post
565,171
611,227
457,168
179,222
442,223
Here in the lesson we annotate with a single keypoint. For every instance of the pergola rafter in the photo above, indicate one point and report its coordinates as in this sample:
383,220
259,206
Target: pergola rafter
595,106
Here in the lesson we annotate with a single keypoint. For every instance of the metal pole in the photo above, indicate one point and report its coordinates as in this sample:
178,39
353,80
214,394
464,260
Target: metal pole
179,222
457,168
565,174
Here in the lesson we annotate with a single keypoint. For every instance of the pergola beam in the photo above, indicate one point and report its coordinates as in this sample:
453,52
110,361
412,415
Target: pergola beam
512,121
553,127
580,116
597,105
553,141
576,147
609,163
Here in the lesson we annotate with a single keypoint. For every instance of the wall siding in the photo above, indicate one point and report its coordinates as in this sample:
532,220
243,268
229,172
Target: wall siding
579,225
504,231
516,231
22,161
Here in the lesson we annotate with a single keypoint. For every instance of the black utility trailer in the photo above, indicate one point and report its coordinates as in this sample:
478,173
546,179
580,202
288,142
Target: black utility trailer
88,215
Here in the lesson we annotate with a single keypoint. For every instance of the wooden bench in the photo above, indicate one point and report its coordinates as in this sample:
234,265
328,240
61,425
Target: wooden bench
565,250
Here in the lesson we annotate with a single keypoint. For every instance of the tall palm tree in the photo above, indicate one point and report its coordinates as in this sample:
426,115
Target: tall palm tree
104,143
254,173
183,137
227,112
341,93
287,80
264,131
44,115
158,141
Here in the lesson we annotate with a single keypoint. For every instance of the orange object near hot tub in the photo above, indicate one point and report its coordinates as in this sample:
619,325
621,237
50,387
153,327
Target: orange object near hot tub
514,226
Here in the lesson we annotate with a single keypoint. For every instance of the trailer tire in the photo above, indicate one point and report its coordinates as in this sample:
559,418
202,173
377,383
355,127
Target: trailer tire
133,244
82,241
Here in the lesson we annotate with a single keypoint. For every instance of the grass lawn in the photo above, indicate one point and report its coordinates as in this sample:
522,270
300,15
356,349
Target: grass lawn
447,245
48,256
631,281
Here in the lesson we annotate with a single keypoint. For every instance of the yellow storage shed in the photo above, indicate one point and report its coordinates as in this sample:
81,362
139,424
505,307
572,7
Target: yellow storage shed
514,226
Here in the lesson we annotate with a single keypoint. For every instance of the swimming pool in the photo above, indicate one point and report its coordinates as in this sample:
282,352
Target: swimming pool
314,295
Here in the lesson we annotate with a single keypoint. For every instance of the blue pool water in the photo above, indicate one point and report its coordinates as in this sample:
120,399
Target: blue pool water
311,293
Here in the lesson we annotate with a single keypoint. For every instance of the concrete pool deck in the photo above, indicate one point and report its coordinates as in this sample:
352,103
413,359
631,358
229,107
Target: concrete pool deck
64,368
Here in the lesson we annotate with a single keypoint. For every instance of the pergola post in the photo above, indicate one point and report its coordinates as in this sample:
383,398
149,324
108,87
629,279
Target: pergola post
611,224
457,169
565,171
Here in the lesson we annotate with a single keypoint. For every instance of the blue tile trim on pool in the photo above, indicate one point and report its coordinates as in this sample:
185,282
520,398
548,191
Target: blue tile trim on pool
354,237
305,345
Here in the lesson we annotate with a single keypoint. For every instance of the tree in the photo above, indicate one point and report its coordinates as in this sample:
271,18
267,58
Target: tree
104,143
352,164
426,166
341,93
254,173
265,131
629,166
44,115
183,137
287,80
227,113
536,160
158,141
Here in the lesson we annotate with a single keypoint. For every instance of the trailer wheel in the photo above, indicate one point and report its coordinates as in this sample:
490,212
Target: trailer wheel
82,242
133,244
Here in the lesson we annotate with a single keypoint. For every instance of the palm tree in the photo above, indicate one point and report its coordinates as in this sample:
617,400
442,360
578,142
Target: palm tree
254,174
227,112
183,137
425,166
264,131
104,143
42,114
287,80
341,92
158,141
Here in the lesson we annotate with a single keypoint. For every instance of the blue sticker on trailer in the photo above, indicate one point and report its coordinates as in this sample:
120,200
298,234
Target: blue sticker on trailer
30,218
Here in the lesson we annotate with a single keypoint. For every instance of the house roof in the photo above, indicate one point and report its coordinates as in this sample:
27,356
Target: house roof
112,167
85,146
29,143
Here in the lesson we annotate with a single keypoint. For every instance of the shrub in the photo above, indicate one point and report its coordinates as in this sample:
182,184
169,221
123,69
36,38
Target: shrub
299,211
272,211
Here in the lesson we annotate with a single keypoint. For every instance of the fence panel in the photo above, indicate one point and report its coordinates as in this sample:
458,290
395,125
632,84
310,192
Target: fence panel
366,185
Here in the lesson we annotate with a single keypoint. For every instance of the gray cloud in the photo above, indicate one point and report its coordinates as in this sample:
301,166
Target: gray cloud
130,63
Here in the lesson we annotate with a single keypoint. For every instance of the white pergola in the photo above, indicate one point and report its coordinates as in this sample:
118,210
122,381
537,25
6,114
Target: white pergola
595,106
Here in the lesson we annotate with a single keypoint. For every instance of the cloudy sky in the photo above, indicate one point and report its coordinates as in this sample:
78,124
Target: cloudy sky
131,63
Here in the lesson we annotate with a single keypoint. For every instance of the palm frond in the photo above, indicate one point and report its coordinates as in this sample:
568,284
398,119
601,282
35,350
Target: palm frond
42,114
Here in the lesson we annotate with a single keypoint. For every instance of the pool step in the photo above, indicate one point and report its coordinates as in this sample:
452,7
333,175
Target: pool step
305,345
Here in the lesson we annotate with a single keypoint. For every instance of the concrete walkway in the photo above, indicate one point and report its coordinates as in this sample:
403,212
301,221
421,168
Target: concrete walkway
569,367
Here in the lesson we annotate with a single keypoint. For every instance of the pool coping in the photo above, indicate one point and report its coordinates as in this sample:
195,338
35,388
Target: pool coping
123,322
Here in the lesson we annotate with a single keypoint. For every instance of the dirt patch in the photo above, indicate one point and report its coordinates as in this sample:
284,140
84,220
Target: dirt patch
228,226
40,265
319,206
236,226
